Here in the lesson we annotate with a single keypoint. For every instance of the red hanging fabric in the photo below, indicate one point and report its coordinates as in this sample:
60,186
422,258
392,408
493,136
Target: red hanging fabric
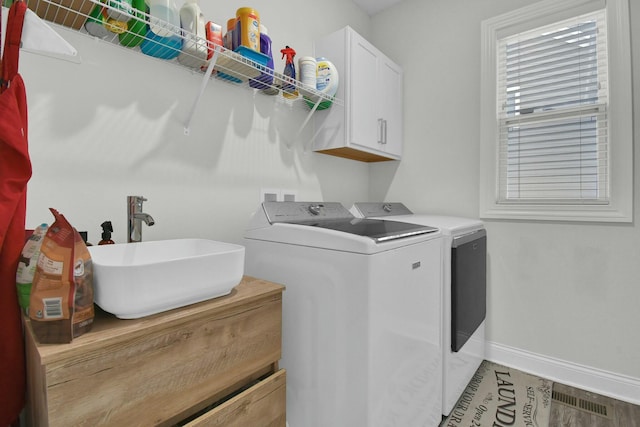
15,171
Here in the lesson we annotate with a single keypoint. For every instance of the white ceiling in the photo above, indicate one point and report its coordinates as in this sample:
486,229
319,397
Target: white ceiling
374,6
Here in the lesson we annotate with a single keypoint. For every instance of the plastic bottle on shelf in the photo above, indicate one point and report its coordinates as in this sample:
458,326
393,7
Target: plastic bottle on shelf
327,81
95,22
27,265
247,31
163,39
136,27
194,46
214,37
265,48
122,9
229,39
289,88
307,71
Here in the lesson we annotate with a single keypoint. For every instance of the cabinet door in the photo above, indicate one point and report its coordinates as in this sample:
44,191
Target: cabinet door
364,96
390,90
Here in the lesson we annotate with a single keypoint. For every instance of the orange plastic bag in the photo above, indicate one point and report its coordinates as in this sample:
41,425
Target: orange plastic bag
61,303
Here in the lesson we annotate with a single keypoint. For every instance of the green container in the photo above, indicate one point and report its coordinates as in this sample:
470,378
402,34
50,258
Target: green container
322,106
136,27
24,293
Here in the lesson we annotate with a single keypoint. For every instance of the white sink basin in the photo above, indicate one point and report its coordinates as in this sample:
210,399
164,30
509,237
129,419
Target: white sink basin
139,279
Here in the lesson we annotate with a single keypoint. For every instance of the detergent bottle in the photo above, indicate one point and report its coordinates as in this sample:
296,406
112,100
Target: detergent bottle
136,27
289,87
163,39
265,48
247,31
194,47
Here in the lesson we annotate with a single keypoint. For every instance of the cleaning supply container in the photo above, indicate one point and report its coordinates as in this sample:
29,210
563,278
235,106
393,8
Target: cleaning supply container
122,9
307,67
163,39
247,31
289,87
266,77
95,22
194,46
136,27
213,32
326,82
229,39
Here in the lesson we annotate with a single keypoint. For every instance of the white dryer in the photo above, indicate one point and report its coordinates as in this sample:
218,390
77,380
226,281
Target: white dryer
361,314
464,291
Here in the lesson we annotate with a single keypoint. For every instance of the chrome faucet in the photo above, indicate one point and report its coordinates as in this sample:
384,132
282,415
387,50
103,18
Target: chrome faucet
135,216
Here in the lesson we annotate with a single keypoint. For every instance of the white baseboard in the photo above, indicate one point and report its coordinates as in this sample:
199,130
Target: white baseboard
606,383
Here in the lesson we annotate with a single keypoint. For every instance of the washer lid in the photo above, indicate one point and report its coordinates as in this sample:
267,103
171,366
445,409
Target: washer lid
377,229
334,216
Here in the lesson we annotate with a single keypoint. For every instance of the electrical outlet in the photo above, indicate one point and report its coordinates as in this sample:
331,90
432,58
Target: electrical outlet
289,195
269,195
277,195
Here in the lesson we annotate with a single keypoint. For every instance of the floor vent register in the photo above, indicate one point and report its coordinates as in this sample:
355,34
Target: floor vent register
581,404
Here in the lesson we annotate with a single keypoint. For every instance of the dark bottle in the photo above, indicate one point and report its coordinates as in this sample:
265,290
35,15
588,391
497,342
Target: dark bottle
107,229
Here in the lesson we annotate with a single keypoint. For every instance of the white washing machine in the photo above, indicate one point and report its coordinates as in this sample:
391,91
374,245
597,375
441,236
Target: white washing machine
464,291
361,314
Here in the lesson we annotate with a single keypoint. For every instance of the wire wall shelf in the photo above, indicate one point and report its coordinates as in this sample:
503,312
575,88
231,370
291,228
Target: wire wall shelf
107,21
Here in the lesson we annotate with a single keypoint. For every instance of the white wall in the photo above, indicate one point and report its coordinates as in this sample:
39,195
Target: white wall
113,126
564,290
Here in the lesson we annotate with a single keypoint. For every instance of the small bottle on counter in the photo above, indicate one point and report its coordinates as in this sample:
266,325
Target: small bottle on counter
107,229
85,237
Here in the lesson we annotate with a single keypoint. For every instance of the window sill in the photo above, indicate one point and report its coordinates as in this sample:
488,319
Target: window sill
592,213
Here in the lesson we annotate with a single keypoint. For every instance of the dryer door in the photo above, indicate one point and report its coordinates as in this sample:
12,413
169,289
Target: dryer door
468,286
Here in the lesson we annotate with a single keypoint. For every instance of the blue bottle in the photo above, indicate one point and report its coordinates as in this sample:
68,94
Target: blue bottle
163,39
288,88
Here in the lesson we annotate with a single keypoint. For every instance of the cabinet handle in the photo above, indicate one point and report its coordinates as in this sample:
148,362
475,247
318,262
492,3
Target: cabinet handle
384,124
380,131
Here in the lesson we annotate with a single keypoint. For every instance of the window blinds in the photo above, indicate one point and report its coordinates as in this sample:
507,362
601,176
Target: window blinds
552,112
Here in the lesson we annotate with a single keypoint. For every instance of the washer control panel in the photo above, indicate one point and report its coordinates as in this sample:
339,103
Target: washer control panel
378,209
298,212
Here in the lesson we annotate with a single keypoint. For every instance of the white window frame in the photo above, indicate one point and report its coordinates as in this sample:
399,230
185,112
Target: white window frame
620,206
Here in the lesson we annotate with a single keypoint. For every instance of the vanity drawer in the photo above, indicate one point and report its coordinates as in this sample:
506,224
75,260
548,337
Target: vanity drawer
262,405
158,370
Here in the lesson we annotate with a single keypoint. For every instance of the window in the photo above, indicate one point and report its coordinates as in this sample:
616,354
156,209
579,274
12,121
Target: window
556,113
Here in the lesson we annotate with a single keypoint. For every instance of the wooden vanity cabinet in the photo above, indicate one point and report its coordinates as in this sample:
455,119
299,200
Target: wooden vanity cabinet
213,363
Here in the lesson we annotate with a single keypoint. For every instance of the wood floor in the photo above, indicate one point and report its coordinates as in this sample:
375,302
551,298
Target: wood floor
571,407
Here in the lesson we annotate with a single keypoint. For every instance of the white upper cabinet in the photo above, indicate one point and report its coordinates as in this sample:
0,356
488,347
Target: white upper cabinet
369,127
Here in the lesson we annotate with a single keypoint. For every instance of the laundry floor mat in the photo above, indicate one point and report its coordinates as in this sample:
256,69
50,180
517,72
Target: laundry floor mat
499,396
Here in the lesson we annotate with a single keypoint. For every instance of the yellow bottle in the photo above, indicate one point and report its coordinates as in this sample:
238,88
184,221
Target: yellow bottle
247,31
